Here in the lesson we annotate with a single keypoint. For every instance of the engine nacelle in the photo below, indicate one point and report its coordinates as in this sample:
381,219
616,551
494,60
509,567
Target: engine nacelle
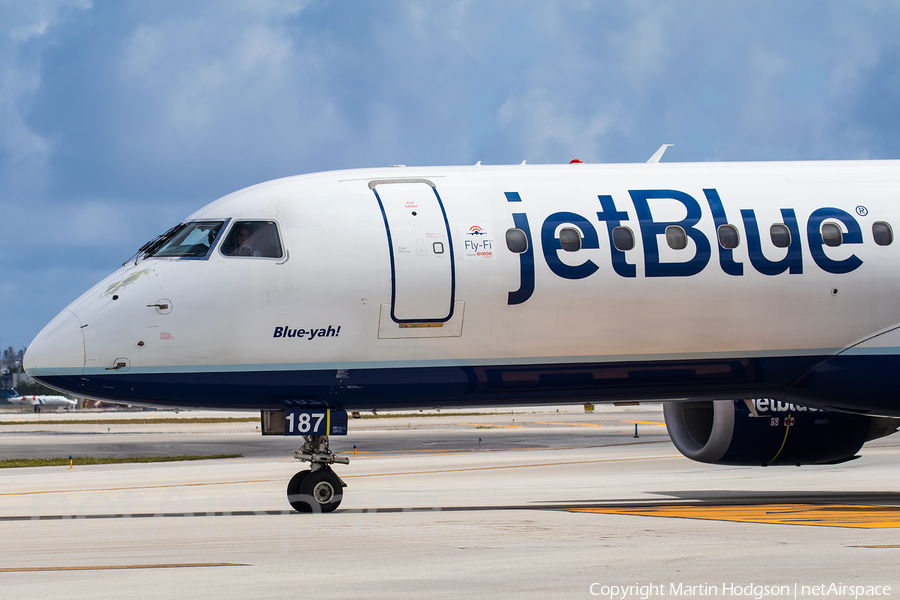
726,432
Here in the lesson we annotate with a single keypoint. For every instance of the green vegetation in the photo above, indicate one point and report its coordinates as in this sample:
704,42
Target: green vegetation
255,419
136,421
11,463
34,389
429,414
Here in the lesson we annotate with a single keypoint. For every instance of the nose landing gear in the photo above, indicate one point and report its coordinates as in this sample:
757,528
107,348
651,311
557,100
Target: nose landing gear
319,489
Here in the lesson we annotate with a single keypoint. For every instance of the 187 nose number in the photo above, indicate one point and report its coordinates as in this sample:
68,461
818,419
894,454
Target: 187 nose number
315,422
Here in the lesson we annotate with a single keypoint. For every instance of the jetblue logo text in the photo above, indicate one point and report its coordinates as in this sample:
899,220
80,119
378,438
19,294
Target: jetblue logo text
310,334
698,247
770,405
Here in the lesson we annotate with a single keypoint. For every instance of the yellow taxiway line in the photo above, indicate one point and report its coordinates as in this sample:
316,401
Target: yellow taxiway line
451,451
116,567
432,451
551,464
824,515
136,487
572,424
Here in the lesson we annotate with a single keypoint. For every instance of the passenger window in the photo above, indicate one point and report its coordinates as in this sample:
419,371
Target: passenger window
831,234
623,238
780,234
570,239
254,239
729,238
516,240
676,238
883,233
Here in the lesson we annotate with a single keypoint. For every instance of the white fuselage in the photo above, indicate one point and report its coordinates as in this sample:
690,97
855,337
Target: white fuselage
41,400
397,287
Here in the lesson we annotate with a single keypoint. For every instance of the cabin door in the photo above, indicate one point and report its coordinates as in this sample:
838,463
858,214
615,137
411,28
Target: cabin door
421,250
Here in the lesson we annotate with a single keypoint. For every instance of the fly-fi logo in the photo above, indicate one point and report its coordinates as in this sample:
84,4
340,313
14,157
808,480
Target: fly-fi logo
478,243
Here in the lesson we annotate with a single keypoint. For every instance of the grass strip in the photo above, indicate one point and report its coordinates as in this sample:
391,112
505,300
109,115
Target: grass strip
190,420
12,463
431,414
135,421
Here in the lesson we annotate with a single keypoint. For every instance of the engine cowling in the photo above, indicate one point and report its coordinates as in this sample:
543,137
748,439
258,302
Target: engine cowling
726,432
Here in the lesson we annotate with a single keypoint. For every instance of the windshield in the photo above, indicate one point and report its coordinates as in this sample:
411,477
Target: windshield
192,239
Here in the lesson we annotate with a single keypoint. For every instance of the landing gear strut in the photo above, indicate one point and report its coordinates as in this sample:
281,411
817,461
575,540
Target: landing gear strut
319,489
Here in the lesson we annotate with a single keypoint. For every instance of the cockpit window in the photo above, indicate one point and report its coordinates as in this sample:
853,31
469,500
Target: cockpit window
253,239
193,239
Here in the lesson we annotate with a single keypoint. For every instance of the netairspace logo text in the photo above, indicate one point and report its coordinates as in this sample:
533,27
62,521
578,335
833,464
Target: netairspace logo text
755,591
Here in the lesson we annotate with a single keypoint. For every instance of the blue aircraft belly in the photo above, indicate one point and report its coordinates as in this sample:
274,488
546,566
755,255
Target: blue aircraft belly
426,387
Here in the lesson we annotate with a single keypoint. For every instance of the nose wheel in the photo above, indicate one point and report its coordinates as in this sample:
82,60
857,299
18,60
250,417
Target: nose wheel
318,489
315,491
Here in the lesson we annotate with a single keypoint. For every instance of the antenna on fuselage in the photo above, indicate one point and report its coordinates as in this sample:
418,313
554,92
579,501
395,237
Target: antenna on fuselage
658,154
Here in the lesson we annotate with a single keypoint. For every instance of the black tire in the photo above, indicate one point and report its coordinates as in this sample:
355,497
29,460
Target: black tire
321,490
295,497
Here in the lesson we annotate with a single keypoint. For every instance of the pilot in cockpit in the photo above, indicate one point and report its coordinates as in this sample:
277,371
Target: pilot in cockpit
253,239
242,245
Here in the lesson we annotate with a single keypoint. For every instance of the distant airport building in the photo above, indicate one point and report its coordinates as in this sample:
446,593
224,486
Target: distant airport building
11,380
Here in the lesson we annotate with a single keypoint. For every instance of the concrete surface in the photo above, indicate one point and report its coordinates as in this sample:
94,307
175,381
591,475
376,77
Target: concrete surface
551,504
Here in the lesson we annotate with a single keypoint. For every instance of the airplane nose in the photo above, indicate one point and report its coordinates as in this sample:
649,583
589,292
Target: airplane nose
58,349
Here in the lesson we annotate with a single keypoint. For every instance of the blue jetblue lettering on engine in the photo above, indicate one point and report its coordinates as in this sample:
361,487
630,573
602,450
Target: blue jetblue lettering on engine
310,334
771,405
653,229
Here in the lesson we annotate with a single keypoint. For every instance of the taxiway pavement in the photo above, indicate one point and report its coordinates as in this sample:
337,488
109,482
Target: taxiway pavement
552,505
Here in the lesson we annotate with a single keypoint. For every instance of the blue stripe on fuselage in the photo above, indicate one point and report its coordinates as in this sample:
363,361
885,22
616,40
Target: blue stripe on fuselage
444,386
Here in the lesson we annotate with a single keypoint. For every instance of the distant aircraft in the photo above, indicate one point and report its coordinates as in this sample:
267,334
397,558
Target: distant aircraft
742,294
38,401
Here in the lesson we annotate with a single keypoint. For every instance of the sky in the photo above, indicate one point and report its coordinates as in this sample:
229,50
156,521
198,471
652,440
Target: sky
120,118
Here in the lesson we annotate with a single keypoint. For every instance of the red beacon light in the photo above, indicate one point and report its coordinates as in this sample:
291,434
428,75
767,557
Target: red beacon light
576,161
